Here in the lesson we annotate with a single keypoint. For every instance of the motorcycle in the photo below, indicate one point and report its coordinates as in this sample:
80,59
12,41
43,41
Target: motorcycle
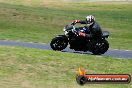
79,43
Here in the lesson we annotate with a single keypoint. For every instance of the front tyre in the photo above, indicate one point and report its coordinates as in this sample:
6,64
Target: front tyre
59,43
100,47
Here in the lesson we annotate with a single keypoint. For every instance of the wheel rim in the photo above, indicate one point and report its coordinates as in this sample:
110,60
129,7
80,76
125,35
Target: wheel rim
100,48
59,44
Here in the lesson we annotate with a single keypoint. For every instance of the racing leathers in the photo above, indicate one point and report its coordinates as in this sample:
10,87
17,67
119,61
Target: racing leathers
95,29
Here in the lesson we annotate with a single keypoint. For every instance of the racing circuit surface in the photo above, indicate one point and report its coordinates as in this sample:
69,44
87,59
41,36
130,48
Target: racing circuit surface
110,52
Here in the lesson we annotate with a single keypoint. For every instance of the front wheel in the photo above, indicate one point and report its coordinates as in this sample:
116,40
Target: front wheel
59,43
100,47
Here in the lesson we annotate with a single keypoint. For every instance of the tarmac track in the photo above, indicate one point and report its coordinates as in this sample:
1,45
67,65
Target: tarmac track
127,54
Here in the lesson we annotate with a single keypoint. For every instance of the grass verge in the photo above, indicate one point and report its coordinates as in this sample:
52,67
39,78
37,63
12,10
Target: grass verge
34,68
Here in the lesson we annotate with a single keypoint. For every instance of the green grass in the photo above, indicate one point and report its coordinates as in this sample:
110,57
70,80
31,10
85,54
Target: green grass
34,68
40,21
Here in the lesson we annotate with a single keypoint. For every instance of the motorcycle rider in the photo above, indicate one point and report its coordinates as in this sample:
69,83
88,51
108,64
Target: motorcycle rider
95,29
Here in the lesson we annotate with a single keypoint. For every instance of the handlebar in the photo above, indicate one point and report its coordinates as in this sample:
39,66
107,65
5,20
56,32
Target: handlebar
71,28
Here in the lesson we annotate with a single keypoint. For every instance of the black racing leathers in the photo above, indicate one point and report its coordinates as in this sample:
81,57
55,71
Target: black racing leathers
95,30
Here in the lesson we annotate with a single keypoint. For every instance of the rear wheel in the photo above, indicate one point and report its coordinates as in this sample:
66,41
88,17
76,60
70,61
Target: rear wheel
59,43
100,47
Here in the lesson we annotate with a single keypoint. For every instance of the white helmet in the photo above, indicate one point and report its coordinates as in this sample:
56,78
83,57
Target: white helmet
90,19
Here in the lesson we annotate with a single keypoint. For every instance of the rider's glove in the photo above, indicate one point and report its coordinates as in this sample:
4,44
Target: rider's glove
75,21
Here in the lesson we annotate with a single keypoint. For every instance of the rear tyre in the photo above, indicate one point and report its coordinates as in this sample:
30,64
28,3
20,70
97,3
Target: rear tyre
100,47
59,43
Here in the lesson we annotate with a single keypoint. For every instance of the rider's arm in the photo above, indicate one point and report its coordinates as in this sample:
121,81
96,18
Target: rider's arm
78,21
83,22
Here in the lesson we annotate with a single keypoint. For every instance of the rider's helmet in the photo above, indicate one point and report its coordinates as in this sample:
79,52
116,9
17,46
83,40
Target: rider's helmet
90,19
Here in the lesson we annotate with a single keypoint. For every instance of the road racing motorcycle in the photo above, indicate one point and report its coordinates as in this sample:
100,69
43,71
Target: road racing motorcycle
78,43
